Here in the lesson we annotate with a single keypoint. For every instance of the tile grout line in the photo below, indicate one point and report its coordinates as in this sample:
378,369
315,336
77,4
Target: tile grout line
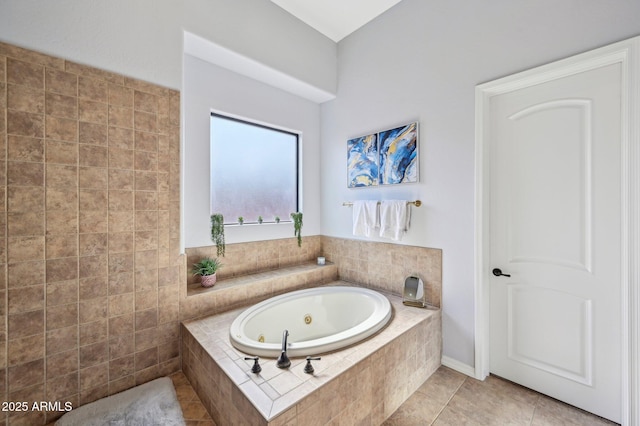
535,408
449,400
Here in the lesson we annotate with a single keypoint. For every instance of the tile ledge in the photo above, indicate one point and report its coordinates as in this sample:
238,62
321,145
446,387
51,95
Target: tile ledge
231,282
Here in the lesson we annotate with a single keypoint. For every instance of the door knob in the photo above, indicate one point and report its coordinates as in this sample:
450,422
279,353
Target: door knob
498,273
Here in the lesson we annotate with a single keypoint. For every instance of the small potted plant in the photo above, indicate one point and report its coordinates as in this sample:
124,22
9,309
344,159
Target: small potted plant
259,219
207,268
277,218
240,220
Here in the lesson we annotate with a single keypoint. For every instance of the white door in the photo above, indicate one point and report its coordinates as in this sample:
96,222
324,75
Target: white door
555,228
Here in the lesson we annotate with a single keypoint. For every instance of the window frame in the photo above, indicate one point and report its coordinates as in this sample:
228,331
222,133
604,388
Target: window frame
266,126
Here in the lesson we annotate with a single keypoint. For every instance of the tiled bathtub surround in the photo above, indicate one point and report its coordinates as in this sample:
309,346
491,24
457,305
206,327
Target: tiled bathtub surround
362,384
385,266
90,268
253,272
258,256
381,266
246,290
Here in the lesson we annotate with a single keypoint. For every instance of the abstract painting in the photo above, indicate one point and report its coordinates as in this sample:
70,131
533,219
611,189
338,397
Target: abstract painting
398,155
362,161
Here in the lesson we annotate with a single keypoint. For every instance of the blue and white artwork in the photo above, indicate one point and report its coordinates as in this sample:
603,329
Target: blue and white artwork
362,161
398,155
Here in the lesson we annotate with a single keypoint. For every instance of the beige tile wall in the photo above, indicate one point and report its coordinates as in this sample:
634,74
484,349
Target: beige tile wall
89,231
248,258
377,265
253,272
384,266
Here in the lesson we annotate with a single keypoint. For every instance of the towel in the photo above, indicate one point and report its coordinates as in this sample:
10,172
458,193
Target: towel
395,217
365,218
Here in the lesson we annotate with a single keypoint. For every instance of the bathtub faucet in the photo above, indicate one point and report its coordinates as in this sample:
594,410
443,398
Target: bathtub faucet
283,359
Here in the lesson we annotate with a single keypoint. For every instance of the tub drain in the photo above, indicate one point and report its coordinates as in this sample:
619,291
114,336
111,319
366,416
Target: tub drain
307,319
261,338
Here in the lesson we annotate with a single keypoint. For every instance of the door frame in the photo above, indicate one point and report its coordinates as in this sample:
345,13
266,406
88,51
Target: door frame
627,54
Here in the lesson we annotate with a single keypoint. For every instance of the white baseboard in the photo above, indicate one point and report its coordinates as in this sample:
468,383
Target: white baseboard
458,366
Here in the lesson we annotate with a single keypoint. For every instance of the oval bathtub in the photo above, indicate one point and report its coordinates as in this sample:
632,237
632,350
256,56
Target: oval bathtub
319,320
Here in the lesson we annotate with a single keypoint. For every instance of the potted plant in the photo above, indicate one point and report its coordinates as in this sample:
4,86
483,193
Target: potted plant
297,226
217,233
240,220
207,268
277,218
259,219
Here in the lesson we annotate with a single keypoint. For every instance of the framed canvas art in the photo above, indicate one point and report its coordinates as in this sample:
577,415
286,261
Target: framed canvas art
362,161
384,158
398,155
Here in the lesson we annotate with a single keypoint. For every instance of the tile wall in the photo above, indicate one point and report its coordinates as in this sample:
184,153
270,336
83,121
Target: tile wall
90,268
381,266
385,266
253,272
257,256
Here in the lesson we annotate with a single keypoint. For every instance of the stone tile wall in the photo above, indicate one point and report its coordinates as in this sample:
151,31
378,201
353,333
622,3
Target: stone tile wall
89,232
384,266
381,266
257,256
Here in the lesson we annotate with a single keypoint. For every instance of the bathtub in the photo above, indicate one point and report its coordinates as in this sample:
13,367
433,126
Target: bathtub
319,320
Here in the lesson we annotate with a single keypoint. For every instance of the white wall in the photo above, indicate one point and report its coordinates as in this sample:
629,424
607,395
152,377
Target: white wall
209,87
143,38
421,60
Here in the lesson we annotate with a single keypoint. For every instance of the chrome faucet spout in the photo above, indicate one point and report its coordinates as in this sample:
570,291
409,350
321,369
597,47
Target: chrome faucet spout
283,360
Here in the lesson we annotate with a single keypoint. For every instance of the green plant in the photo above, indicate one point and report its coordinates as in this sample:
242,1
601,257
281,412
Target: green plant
259,219
277,218
240,220
217,232
207,266
297,226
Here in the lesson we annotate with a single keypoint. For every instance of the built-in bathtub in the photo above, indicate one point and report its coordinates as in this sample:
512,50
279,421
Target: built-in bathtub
363,383
318,320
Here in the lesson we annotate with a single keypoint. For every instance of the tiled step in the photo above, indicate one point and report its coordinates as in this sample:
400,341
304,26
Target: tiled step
231,293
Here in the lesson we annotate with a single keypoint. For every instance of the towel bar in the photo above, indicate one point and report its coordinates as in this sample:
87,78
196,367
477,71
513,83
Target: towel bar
416,203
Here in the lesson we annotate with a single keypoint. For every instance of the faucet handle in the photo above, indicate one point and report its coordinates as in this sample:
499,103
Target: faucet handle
309,368
256,366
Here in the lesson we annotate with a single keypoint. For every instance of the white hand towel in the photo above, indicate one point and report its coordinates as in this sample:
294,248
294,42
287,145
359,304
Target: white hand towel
395,218
365,218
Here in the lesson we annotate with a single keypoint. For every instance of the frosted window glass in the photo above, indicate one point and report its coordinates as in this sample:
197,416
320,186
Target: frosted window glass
254,171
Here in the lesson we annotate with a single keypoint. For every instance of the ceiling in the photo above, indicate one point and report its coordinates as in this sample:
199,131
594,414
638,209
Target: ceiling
336,18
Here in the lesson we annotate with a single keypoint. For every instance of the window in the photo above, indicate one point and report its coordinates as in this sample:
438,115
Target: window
254,171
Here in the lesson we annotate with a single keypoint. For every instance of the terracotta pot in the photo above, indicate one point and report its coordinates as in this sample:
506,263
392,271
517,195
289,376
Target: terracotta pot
208,280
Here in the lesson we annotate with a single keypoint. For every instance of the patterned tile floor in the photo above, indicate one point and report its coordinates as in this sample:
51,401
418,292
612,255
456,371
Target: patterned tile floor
447,398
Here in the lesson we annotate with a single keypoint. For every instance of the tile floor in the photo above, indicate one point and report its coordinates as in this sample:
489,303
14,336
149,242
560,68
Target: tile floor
447,398
194,412
451,398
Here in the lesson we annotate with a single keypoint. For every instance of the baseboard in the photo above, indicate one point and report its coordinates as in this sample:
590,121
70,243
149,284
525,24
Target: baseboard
458,366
